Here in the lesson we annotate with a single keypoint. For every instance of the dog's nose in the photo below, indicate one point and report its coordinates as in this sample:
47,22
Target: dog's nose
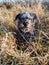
25,24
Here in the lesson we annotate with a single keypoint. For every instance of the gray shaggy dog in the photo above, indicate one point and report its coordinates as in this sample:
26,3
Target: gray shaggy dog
28,25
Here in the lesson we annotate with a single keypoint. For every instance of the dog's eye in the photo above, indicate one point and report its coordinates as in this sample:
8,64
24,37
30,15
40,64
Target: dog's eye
26,22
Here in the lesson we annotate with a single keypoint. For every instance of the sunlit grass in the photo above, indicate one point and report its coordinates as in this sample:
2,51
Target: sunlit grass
35,53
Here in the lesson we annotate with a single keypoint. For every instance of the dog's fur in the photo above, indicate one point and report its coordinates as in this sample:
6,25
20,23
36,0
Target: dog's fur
27,25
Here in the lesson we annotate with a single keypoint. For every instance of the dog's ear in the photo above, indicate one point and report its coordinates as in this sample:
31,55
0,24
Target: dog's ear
36,21
17,17
37,24
34,16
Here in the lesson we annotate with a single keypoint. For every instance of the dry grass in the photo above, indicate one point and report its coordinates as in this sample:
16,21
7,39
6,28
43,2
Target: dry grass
36,53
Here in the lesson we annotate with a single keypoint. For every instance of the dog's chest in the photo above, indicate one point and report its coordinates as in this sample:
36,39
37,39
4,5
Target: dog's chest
25,37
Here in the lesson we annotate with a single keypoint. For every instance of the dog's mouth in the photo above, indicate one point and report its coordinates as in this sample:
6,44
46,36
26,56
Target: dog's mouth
23,29
27,29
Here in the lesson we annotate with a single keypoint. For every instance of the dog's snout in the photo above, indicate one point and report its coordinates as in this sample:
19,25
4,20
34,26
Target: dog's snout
25,24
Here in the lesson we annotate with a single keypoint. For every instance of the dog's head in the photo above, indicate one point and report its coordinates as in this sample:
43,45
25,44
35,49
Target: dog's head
27,21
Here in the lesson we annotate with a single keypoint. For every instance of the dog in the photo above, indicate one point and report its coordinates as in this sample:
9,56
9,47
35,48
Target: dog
27,27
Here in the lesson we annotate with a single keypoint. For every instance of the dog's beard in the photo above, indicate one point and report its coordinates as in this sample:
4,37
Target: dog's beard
28,29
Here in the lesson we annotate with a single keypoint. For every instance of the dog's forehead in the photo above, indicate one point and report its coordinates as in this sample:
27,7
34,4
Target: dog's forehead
26,15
